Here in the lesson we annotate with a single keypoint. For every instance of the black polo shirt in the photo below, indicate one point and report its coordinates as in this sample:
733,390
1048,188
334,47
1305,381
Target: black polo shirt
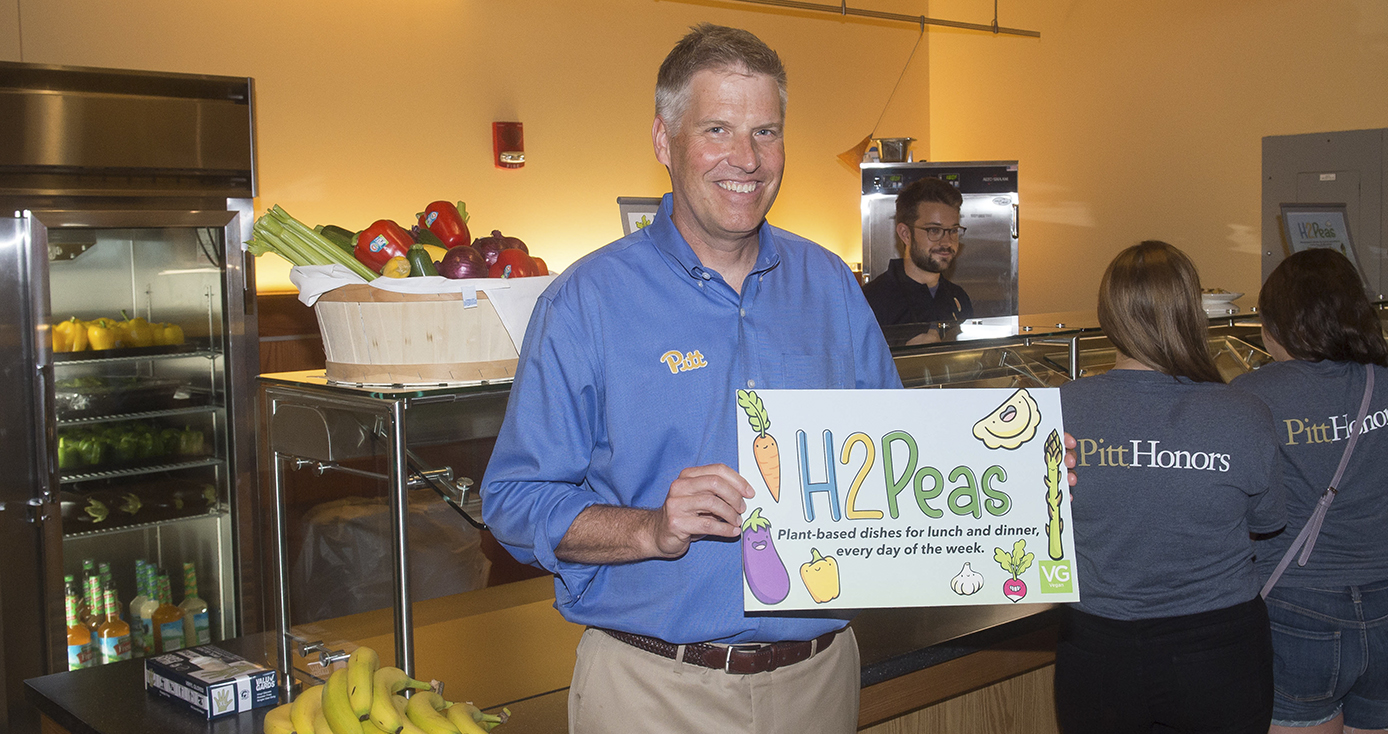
896,299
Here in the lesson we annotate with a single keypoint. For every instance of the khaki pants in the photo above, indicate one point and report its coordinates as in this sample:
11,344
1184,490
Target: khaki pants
618,688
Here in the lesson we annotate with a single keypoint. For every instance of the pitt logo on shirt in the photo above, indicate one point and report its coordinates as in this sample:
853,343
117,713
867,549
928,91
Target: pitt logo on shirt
683,361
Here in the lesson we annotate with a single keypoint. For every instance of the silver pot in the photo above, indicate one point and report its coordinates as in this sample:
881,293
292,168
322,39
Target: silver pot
893,150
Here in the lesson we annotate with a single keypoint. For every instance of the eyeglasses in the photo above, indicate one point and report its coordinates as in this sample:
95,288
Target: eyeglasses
935,234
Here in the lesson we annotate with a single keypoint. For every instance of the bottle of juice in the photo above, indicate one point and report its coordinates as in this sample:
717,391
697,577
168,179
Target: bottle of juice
168,621
114,634
150,604
84,608
94,618
196,630
79,638
137,627
107,583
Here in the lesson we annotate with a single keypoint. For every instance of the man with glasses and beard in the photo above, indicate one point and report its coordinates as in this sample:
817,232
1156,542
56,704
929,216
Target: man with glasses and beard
914,289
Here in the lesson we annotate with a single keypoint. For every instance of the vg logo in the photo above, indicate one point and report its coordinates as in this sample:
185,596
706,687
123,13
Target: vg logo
1056,577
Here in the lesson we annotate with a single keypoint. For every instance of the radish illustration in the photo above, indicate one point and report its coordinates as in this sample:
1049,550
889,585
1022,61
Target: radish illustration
1014,589
1014,563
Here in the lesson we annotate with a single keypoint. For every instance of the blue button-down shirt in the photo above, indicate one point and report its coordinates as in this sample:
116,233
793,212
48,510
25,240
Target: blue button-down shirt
627,376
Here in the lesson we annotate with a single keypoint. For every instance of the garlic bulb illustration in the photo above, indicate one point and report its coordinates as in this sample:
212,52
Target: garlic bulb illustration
967,582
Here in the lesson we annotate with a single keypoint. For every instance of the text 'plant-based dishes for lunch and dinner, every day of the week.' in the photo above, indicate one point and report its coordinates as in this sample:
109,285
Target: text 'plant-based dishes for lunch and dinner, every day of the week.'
439,244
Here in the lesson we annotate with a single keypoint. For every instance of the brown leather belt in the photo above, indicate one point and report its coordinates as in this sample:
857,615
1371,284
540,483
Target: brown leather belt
739,659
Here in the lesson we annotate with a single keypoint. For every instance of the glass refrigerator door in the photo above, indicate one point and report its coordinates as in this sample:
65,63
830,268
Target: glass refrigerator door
144,444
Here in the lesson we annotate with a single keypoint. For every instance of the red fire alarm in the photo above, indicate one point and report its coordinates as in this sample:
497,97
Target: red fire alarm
508,144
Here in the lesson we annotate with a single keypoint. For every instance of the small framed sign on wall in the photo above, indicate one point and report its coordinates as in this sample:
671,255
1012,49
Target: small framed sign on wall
637,211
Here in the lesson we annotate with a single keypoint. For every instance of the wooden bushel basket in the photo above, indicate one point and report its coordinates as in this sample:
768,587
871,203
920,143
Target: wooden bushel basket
374,336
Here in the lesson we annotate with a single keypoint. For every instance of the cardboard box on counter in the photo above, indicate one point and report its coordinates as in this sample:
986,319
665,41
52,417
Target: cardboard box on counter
211,681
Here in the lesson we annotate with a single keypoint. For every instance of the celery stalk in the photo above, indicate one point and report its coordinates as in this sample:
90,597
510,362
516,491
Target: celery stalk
329,252
288,251
278,221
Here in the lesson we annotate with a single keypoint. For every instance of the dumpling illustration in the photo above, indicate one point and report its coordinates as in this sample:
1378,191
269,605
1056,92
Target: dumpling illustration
1010,425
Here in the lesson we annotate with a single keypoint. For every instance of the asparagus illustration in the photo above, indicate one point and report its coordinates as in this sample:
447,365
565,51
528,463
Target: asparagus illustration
1055,476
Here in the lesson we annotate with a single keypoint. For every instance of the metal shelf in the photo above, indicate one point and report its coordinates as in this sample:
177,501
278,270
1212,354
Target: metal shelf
140,415
219,512
144,354
116,473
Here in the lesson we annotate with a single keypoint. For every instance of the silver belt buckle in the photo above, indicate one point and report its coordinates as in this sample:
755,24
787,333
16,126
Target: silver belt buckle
728,661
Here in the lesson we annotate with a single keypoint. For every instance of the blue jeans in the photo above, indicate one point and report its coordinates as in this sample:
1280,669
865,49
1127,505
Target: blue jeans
1330,649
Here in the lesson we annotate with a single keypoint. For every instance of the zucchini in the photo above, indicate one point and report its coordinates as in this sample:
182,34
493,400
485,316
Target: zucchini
343,238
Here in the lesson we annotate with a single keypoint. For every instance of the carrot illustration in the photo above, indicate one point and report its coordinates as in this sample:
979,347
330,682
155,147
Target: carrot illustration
763,446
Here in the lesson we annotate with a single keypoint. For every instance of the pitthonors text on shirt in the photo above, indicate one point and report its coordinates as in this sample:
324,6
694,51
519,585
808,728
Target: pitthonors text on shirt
1140,454
1336,428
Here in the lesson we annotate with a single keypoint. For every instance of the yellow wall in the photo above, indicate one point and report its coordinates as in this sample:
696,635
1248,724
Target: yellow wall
1131,120
1144,120
369,109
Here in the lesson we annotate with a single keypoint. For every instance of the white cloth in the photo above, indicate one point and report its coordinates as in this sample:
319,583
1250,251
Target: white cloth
513,299
315,280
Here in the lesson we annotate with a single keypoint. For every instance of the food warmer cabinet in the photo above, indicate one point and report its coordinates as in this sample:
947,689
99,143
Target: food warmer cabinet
1050,350
126,196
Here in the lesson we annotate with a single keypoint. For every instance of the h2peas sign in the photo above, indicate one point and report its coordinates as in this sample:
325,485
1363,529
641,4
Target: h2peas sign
890,498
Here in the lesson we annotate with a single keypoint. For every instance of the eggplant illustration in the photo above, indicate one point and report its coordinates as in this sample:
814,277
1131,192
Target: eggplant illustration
765,572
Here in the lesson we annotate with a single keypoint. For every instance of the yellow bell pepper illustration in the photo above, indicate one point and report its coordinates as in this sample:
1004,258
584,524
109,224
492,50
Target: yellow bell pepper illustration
821,577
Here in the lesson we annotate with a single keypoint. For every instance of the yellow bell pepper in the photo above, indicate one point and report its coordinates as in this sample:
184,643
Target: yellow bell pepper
166,334
138,332
78,331
396,267
62,336
821,577
103,334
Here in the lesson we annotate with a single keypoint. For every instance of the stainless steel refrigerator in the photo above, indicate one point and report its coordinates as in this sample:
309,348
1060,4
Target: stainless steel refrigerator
123,195
987,263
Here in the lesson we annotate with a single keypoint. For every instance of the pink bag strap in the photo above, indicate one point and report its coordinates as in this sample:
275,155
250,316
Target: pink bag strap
1306,539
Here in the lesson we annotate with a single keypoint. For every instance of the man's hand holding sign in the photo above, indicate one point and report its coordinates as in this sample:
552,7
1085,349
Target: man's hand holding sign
915,498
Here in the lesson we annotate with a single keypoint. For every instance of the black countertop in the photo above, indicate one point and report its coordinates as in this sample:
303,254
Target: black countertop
110,699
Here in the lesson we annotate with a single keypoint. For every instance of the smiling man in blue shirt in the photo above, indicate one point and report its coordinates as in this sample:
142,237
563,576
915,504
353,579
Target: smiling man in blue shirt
613,467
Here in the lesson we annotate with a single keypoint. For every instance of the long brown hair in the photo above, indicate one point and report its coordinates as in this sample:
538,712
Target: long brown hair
1314,305
1149,307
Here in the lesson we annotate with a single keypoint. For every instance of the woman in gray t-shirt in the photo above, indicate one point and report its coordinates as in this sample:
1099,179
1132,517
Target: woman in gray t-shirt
1178,469
1329,617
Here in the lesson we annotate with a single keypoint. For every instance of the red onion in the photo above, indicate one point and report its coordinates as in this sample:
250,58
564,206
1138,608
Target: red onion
513,243
489,246
463,261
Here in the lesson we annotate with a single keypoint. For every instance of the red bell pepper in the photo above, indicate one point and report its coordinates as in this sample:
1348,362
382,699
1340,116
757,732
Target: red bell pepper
447,222
512,263
377,244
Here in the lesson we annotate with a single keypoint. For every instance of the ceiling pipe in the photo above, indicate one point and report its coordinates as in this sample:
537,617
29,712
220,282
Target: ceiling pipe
843,9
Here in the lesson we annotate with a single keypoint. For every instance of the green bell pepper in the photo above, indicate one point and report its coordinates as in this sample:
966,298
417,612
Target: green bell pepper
171,437
69,453
190,442
127,448
95,450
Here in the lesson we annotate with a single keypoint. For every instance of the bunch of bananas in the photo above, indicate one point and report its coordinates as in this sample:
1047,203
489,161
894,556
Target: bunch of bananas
363,698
